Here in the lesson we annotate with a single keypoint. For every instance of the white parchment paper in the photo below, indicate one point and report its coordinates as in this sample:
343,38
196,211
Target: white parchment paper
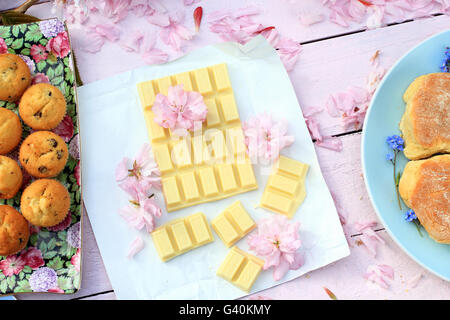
112,126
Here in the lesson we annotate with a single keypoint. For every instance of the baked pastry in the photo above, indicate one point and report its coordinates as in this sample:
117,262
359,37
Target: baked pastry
43,154
14,231
10,130
425,188
45,202
10,177
426,122
15,77
42,106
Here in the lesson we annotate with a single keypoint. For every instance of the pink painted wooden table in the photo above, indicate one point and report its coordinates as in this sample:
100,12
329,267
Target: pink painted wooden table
332,58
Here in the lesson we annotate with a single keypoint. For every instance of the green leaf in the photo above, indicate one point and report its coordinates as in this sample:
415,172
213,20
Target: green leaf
33,239
51,244
15,31
11,281
59,69
43,247
57,80
62,235
43,41
41,65
22,286
50,73
56,263
44,234
17,44
33,34
65,283
27,269
3,286
25,52
50,254
397,179
5,33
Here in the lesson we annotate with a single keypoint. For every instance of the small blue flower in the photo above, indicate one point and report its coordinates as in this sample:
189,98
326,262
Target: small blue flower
409,215
396,142
446,63
389,156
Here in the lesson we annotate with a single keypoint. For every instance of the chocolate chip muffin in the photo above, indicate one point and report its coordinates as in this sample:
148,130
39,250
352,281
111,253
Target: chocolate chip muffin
42,106
15,77
43,154
10,177
10,130
45,203
14,231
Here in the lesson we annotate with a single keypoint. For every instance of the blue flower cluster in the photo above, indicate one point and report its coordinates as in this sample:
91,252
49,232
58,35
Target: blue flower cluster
396,142
446,63
409,215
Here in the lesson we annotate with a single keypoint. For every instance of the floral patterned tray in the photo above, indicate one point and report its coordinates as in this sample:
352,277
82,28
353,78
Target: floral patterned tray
51,261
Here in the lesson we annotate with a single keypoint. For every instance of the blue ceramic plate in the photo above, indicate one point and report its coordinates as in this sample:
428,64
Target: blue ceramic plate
382,120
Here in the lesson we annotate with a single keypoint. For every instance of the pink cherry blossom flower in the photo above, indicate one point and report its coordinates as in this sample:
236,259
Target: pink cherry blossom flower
278,241
141,212
136,246
12,265
38,52
33,258
40,78
180,110
378,274
3,46
143,175
265,137
59,45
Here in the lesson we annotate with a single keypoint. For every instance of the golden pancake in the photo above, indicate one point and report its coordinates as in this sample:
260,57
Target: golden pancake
425,188
426,122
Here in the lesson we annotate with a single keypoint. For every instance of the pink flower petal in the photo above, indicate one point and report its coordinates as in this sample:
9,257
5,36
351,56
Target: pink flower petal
108,31
414,281
122,170
136,246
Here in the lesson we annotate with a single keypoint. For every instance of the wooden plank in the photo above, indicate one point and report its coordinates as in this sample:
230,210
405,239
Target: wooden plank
331,66
343,174
345,278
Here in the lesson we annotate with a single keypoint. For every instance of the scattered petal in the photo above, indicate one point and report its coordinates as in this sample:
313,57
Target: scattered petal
378,274
198,14
414,281
330,293
136,246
